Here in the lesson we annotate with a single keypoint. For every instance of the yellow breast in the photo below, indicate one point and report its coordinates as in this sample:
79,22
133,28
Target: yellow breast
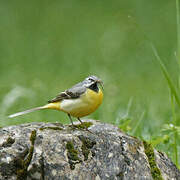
84,105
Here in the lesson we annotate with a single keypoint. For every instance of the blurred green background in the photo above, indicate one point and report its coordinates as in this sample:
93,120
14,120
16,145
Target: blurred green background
48,46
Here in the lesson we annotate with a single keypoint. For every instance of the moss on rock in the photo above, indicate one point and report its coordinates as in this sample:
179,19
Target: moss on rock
72,154
9,141
84,125
149,151
52,128
23,162
87,144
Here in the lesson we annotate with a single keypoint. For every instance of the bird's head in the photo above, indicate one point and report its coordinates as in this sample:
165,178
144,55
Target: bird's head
93,81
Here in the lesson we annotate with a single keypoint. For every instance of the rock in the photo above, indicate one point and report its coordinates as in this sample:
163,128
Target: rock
56,151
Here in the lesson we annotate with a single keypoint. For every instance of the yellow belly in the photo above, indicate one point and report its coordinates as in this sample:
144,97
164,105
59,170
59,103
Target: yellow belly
84,105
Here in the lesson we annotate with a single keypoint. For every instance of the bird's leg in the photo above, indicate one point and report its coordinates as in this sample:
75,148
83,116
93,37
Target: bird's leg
85,127
70,119
80,120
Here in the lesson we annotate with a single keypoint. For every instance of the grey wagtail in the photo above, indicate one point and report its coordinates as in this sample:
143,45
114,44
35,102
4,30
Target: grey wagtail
79,101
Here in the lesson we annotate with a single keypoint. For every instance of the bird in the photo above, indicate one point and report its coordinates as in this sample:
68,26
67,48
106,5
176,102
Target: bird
78,101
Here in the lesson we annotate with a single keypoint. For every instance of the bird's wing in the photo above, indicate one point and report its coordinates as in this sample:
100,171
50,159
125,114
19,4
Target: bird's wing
71,93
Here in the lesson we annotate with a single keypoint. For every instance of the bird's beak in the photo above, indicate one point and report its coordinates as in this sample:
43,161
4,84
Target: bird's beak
100,83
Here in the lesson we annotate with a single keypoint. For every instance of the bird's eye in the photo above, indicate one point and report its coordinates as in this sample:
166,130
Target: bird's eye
90,79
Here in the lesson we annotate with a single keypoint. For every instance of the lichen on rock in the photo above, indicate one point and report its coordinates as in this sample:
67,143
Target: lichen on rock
101,152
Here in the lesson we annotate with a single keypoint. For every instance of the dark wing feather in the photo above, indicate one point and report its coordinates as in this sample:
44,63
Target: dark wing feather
71,93
59,97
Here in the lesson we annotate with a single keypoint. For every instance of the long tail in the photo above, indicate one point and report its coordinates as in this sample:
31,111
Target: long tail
27,111
55,105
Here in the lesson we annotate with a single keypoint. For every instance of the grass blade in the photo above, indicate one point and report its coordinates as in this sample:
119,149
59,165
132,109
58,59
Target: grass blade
138,123
174,95
167,76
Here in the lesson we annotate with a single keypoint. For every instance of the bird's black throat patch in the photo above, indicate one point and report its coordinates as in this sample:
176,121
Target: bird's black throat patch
94,87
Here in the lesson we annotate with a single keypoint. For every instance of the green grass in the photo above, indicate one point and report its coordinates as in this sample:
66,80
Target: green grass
46,47
174,91
174,98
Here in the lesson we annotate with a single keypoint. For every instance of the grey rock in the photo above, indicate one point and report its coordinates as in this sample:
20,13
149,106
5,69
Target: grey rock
56,151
